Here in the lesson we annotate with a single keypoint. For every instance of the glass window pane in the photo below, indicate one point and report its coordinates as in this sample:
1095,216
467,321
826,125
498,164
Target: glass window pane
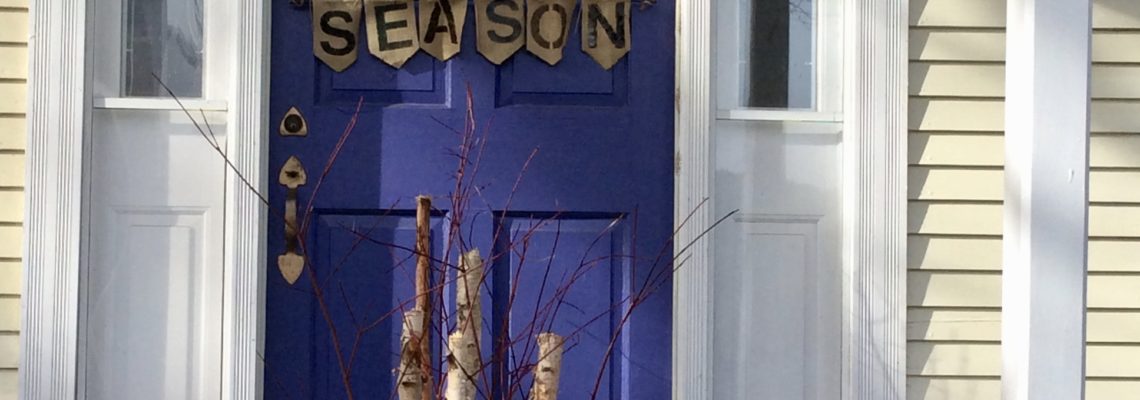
780,54
162,38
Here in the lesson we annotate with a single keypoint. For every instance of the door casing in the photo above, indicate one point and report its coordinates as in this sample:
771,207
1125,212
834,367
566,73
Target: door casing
874,192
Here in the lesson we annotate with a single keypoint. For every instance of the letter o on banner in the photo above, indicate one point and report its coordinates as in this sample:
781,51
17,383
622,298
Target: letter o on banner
336,32
605,30
500,28
548,27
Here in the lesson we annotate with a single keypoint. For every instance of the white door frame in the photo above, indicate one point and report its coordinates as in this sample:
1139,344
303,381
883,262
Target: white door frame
874,191
59,95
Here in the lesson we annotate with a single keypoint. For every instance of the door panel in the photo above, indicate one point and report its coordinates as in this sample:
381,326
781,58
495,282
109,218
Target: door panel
593,207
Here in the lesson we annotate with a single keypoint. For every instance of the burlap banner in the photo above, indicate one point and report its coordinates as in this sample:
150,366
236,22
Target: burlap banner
500,28
548,27
441,27
336,32
605,30
395,33
392,33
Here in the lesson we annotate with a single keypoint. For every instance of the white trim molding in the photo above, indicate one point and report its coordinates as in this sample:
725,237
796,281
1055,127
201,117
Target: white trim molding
56,117
243,329
1045,217
875,179
875,168
692,294
59,104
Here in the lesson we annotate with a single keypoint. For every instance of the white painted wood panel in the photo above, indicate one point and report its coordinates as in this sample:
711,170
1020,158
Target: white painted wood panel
781,314
13,62
13,132
154,281
1106,14
10,276
980,253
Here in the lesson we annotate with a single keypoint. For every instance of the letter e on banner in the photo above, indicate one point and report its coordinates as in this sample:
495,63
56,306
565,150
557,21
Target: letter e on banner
392,34
336,31
605,30
500,28
441,27
548,26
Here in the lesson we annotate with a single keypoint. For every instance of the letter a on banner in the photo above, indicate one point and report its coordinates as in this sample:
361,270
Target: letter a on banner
605,30
336,31
548,26
392,35
500,28
441,27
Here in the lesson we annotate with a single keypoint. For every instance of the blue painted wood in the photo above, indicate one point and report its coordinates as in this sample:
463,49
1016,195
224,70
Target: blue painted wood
605,146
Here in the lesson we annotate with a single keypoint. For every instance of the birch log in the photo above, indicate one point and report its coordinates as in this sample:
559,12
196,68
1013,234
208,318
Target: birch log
462,365
468,302
464,358
410,379
423,287
549,367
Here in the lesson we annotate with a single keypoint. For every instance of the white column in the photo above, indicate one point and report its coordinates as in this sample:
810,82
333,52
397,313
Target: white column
1046,199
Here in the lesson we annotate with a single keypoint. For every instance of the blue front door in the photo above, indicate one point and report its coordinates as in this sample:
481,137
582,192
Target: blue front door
570,246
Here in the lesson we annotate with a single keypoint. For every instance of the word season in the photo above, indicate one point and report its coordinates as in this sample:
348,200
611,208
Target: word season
502,28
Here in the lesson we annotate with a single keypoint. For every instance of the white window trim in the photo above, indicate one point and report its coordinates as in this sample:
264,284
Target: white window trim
875,149
60,97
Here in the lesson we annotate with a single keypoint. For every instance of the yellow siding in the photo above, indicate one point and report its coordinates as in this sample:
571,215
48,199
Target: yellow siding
955,189
13,80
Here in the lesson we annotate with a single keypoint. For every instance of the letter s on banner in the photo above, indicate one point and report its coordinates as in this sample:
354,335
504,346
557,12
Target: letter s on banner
605,30
392,34
548,25
500,28
336,32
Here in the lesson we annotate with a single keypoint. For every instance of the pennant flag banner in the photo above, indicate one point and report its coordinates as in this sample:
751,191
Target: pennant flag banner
503,27
336,28
392,33
500,26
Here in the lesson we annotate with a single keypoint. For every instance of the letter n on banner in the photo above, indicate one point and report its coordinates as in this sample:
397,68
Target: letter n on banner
441,27
500,28
392,34
336,31
548,26
605,30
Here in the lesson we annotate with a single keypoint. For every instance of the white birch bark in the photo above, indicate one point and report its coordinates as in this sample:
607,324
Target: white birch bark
549,368
462,366
410,379
468,301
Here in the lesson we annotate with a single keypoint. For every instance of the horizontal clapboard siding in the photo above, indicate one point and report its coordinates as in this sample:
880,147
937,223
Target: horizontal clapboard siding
956,154
13,131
